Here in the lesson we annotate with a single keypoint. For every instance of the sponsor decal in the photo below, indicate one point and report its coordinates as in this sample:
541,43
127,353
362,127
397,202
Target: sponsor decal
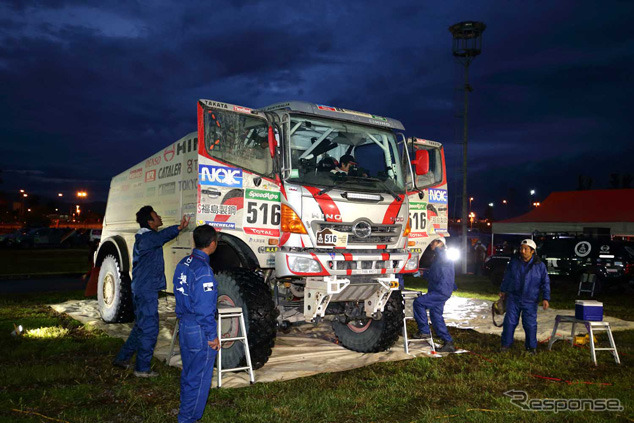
221,225
270,262
208,286
583,248
153,161
187,185
241,109
379,122
215,104
330,109
226,210
169,153
150,175
169,171
167,189
418,206
331,238
136,173
267,249
605,248
191,164
417,235
258,194
219,176
263,231
186,146
438,196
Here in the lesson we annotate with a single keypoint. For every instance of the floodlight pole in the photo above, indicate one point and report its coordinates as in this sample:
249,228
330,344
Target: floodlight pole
467,44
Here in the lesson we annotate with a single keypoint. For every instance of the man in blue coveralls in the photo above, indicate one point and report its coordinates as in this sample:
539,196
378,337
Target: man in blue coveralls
441,283
196,297
525,278
148,278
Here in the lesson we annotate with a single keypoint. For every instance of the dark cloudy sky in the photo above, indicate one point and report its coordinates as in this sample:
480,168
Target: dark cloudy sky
88,88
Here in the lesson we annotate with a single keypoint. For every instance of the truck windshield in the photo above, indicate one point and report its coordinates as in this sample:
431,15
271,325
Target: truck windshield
329,153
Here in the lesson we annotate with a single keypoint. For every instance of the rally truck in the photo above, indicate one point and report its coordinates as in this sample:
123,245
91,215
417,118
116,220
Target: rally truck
300,234
428,202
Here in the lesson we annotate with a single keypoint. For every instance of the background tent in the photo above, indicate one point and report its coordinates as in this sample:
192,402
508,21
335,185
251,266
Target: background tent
572,211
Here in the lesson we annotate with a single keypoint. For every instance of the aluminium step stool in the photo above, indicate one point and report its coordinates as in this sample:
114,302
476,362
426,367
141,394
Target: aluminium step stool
223,313
592,327
408,298
233,313
587,283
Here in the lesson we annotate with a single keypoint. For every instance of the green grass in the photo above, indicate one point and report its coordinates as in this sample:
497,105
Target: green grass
617,302
43,262
70,378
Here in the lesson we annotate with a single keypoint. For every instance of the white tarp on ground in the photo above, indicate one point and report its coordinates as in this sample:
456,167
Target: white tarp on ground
308,349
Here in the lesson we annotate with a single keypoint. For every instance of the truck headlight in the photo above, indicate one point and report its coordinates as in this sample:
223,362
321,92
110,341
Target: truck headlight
303,265
412,263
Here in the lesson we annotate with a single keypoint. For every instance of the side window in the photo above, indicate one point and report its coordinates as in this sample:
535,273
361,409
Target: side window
434,176
238,139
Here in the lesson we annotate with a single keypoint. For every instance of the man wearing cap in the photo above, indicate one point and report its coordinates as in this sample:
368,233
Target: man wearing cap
441,283
524,280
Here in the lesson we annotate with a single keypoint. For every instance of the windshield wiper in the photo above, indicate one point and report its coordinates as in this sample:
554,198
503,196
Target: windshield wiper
330,188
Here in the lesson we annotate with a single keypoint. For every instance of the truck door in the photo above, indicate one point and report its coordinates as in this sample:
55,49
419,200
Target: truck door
237,190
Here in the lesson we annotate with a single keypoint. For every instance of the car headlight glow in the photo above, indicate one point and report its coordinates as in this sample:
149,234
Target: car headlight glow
453,254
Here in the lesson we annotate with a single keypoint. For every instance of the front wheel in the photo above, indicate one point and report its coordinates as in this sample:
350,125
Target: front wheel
114,292
369,335
243,288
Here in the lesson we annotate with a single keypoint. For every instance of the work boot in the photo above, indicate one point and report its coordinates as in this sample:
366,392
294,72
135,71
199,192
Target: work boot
125,365
149,373
505,348
448,347
531,351
420,335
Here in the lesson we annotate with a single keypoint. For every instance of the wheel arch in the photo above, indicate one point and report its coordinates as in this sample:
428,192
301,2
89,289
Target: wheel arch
114,245
232,252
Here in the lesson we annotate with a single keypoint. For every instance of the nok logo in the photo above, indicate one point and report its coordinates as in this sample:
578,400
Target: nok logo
219,176
438,196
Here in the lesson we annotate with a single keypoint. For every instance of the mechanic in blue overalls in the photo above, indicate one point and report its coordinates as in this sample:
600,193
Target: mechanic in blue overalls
441,278
148,278
525,278
196,296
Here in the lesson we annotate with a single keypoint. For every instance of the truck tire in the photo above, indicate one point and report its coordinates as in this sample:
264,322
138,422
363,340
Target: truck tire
373,335
240,287
114,292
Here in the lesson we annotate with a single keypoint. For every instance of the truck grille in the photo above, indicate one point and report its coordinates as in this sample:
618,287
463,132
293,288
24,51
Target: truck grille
381,234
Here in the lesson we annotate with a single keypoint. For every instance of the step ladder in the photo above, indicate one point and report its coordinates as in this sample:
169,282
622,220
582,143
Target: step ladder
587,283
408,299
233,313
223,313
592,327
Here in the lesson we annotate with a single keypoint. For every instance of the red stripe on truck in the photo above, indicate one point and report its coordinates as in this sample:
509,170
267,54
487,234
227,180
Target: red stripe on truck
326,204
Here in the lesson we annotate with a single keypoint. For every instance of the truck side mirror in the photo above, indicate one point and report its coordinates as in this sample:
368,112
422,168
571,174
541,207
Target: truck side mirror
421,163
272,141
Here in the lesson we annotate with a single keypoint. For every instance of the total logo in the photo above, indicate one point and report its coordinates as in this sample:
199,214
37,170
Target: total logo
438,196
219,176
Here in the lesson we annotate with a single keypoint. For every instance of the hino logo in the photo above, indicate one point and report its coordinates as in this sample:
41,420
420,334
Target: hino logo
438,196
219,176
332,216
362,229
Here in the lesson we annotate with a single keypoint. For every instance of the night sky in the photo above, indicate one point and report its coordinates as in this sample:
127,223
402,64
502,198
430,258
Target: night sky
90,88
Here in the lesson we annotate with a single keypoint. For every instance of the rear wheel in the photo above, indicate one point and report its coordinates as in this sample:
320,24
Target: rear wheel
243,288
114,293
369,335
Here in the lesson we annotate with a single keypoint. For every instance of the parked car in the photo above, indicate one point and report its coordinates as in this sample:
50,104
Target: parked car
611,261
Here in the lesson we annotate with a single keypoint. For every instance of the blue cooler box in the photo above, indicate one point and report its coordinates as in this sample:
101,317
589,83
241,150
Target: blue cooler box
588,310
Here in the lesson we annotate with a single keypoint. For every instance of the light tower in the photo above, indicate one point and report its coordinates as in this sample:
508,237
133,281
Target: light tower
467,44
